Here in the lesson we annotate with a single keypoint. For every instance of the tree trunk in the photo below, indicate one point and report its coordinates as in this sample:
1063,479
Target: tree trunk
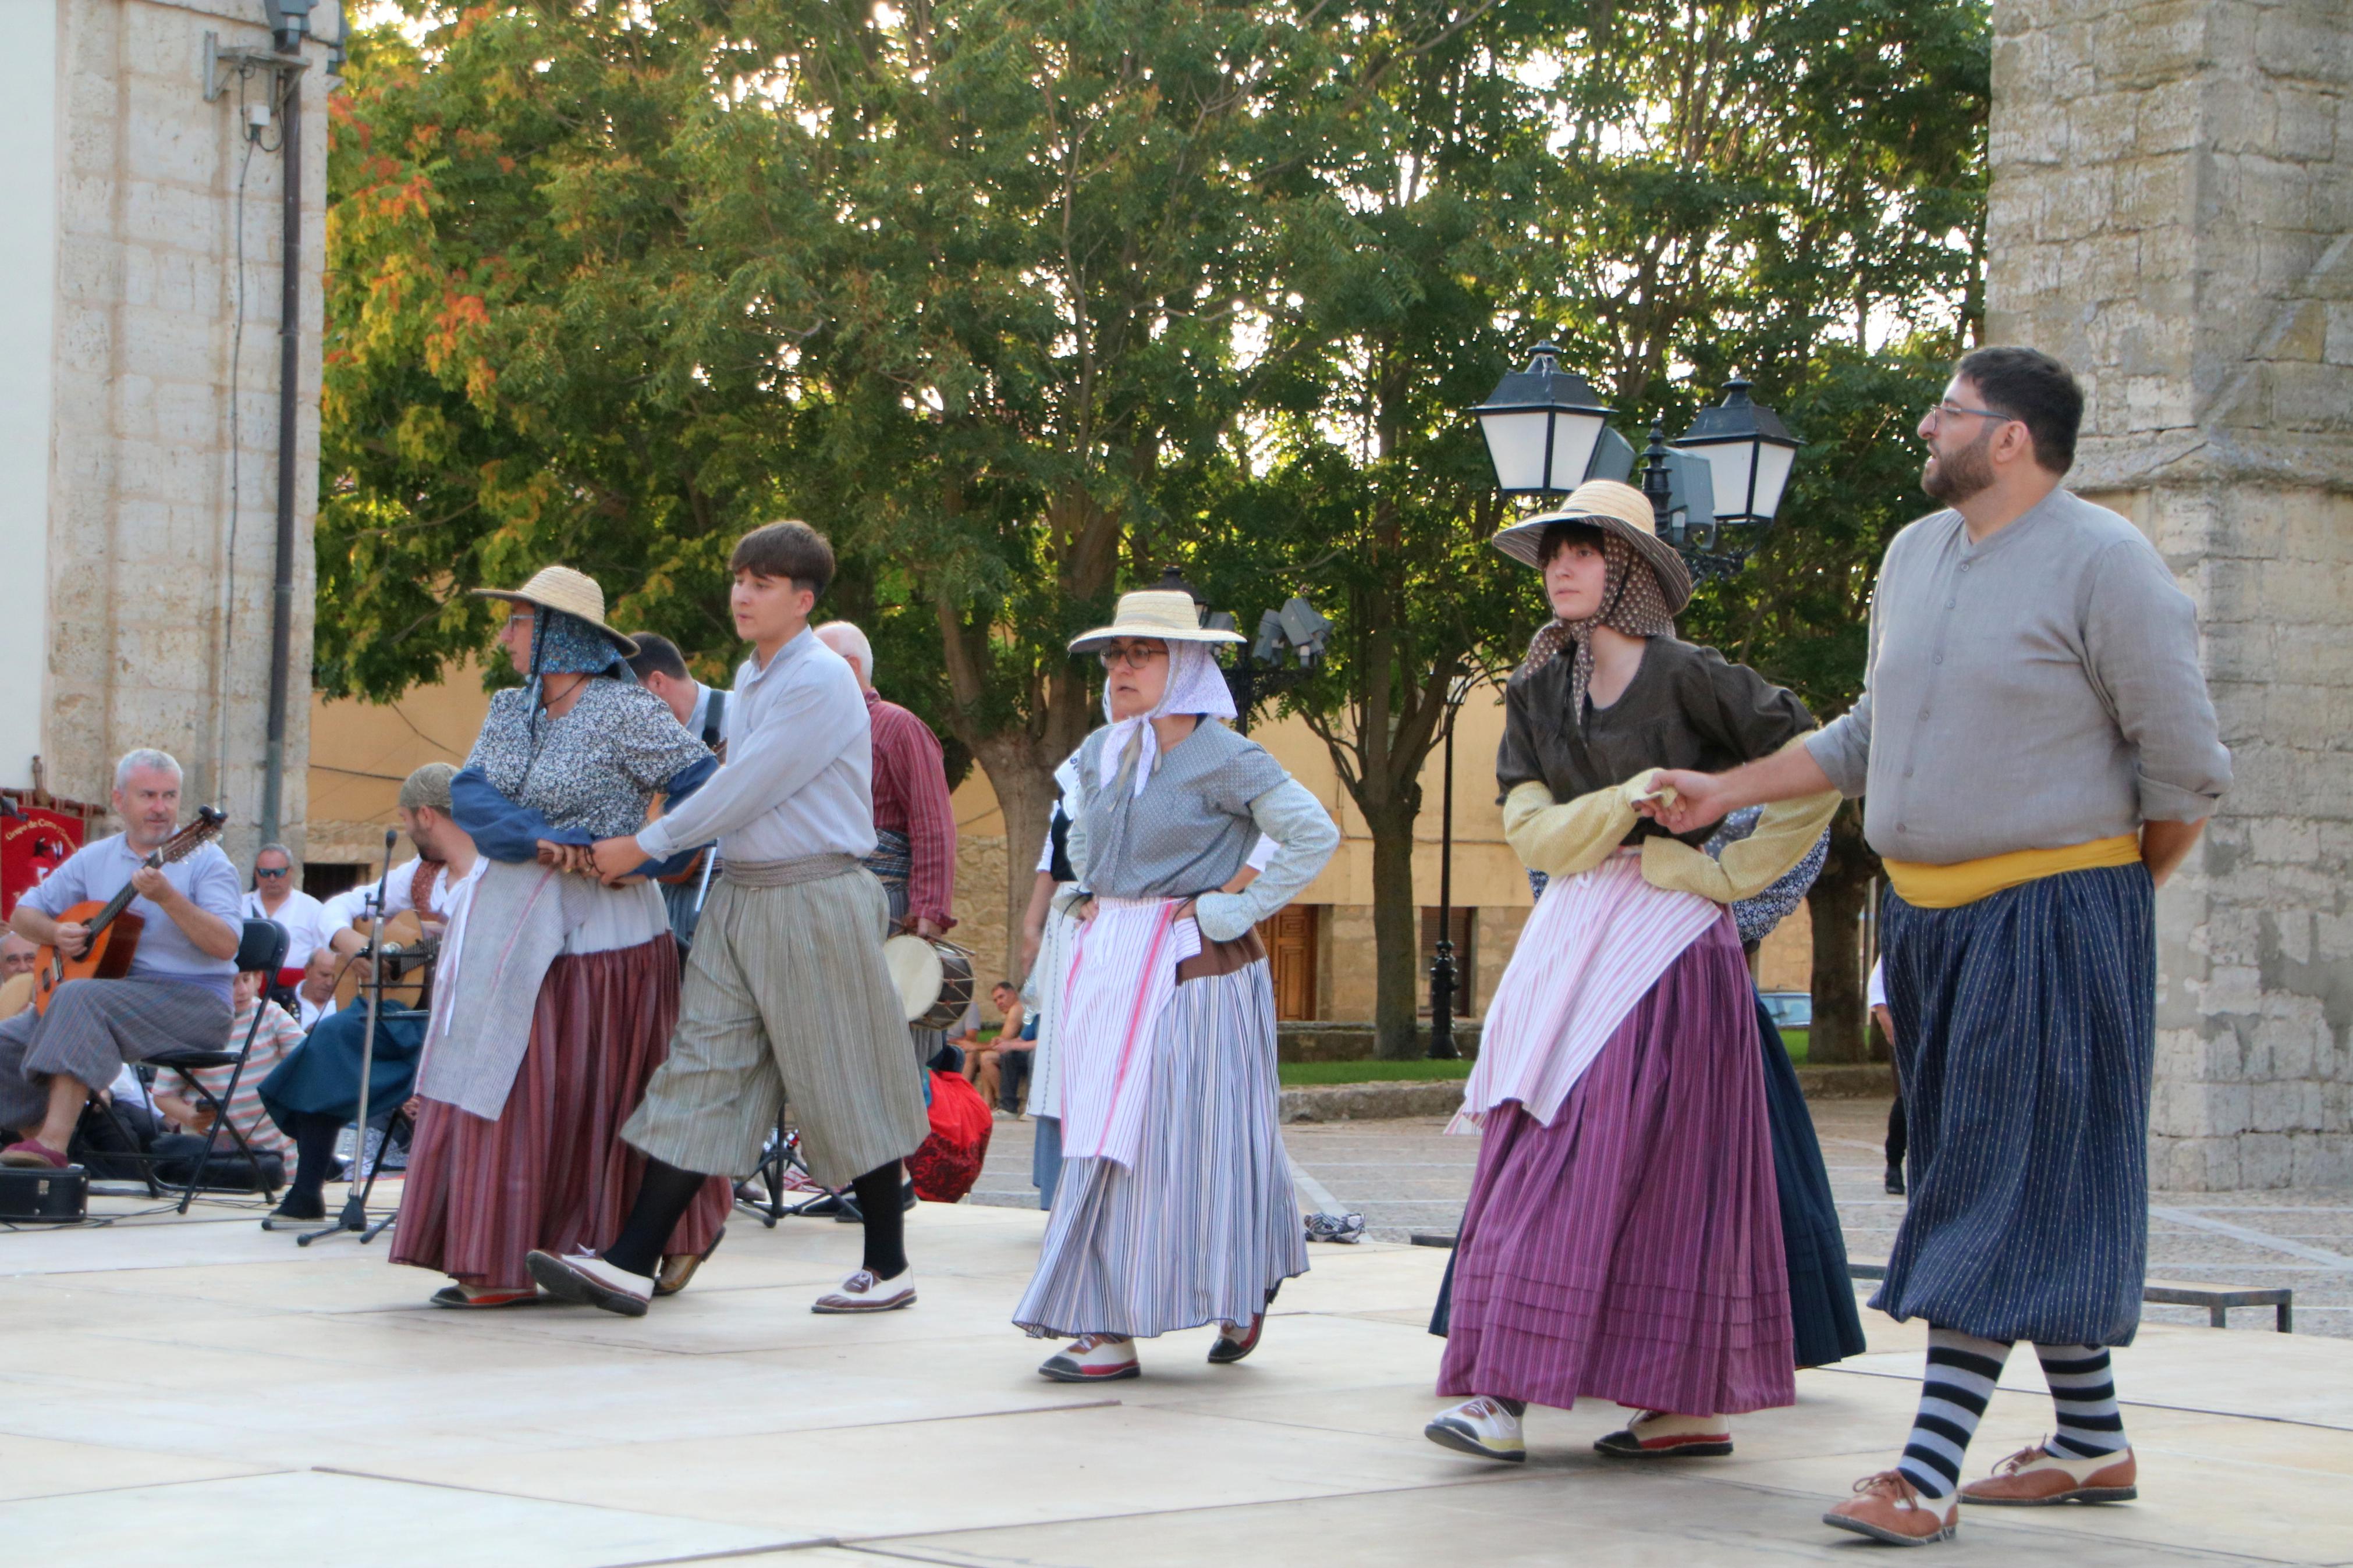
1397,934
1841,1026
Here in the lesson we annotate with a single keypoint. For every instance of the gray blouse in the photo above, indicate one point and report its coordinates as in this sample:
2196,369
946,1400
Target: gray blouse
598,767
1193,827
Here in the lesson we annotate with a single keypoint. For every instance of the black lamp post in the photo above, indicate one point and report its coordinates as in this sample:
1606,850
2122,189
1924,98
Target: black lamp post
1713,490
1441,968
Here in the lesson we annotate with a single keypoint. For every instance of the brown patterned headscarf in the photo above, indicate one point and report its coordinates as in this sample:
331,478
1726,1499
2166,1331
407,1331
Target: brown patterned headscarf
1631,601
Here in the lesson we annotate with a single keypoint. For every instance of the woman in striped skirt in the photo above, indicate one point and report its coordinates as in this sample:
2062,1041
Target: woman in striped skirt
557,999
1622,1237
1175,1206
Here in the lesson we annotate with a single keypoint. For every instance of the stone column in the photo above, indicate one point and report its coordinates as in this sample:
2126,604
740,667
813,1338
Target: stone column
159,571
2172,215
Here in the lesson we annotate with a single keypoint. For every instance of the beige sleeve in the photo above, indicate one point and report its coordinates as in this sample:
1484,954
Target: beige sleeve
1784,835
1574,836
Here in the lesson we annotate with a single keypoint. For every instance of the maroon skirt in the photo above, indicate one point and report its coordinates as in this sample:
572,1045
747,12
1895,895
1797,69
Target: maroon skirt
551,1172
1632,1250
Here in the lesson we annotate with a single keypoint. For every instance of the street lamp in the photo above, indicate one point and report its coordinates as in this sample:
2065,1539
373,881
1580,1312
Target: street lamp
1713,490
1749,452
1542,424
1441,968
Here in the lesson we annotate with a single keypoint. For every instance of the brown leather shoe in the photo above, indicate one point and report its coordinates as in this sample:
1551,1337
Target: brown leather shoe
2036,1477
1888,1508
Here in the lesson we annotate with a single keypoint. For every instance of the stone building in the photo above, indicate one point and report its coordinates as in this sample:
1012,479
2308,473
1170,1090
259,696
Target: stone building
139,422
2172,215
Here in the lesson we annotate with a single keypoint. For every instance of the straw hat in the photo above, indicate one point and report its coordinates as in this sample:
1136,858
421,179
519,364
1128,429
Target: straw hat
1161,613
574,592
1614,508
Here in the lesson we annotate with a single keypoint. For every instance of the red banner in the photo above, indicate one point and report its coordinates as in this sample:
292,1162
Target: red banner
32,845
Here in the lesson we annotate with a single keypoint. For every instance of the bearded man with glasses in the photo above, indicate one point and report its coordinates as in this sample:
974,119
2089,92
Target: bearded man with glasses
2037,752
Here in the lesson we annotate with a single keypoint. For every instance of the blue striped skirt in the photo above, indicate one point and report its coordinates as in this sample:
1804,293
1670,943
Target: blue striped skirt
2026,1035
1204,1224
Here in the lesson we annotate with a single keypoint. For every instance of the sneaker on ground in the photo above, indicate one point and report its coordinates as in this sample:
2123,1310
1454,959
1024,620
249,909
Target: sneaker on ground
1889,1509
1091,1358
2036,1477
294,1210
1663,1435
587,1280
862,1292
1482,1427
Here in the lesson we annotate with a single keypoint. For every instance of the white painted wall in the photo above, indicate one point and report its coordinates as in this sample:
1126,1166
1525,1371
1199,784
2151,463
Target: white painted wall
28,211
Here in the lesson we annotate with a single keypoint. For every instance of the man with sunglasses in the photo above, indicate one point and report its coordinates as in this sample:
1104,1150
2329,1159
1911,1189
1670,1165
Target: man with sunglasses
275,897
2037,752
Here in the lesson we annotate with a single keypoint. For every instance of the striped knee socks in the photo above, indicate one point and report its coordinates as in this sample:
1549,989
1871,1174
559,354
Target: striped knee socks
1962,1369
2083,1391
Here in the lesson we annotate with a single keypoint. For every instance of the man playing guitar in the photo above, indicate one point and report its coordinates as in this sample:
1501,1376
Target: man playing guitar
176,994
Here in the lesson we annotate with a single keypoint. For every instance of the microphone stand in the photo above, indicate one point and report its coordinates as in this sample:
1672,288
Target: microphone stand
354,1216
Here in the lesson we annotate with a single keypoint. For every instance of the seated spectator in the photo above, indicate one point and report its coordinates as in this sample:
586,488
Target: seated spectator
17,957
275,897
177,1152
988,1065
315,999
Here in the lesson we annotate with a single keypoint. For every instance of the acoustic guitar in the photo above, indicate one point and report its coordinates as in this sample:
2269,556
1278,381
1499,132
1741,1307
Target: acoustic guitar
408,954
114,935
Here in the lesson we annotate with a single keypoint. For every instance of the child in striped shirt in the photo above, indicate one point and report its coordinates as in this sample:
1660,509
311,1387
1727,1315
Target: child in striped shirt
277,1034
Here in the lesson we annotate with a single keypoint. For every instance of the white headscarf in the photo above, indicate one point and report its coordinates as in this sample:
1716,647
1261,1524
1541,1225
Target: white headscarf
1195,685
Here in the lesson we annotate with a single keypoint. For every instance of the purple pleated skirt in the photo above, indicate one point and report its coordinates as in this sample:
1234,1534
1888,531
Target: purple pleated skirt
1632,1250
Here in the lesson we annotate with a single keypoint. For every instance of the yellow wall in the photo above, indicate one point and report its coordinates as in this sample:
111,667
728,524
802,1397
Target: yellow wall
360,751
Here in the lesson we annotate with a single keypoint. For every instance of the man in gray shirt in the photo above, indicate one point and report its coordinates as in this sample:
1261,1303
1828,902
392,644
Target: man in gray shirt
176,992
2037,752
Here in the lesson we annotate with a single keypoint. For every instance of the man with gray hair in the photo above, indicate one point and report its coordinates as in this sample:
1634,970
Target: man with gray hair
276,899
176,995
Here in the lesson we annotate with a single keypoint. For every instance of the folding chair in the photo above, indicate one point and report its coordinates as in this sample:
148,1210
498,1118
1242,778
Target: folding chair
262,947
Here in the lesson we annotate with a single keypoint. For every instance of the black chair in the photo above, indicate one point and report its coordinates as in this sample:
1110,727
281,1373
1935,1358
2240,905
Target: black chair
262,947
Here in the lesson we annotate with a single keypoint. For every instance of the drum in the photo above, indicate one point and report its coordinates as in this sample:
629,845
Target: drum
933,979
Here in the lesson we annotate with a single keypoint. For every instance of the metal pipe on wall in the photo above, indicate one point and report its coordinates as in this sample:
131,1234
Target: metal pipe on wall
290,343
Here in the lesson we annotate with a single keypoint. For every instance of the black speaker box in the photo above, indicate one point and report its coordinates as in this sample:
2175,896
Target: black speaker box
29,1194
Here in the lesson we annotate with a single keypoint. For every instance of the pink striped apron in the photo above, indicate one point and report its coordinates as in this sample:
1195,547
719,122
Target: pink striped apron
1596,944
1123,974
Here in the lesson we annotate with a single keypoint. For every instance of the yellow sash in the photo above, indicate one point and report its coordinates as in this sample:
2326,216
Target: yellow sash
1927,887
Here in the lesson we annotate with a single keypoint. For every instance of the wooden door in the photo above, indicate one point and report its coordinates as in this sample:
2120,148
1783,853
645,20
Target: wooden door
1290,937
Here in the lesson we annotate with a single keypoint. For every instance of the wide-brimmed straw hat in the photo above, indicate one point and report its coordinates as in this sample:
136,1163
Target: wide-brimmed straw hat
1161,613
1614,508
574,592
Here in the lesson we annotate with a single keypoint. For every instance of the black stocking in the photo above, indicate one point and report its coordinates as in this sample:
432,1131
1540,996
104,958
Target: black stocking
886,1223
314,1150
663,1197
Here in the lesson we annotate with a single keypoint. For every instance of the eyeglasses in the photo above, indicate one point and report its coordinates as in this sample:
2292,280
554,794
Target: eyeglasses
271,870
521,618
1131,657
1936,413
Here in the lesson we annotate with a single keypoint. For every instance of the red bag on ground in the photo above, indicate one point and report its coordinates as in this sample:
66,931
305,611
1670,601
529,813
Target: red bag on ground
948,1163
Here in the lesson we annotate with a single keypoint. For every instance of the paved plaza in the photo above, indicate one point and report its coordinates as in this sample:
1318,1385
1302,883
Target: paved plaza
199,1391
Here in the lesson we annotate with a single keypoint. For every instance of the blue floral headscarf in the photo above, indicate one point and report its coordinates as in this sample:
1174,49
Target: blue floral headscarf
566,644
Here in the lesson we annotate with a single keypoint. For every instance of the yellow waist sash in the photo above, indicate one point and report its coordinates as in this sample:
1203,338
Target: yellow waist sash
1927,887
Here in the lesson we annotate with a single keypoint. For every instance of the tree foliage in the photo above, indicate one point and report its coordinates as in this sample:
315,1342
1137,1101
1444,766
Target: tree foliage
1020,299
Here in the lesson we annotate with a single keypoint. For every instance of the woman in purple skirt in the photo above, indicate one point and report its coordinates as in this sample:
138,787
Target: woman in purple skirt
1622,1239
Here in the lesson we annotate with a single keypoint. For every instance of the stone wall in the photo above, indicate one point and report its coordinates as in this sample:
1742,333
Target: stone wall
143,579
2172,215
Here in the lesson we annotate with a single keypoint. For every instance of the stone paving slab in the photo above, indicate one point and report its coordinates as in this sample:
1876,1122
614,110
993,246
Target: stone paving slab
199,1382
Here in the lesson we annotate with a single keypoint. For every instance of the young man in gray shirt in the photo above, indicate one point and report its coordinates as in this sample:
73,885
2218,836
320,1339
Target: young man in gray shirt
2037,754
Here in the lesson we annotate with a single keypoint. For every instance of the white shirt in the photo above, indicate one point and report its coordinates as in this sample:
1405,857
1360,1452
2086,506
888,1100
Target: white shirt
353,904
1876,994
303,918
799,775
702,714
308,1013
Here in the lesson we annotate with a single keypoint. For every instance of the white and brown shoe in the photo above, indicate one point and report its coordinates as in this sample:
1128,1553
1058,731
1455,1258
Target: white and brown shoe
862,1292
1663,1435
1093,1358
588,1280
2037,1477
1889,1509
